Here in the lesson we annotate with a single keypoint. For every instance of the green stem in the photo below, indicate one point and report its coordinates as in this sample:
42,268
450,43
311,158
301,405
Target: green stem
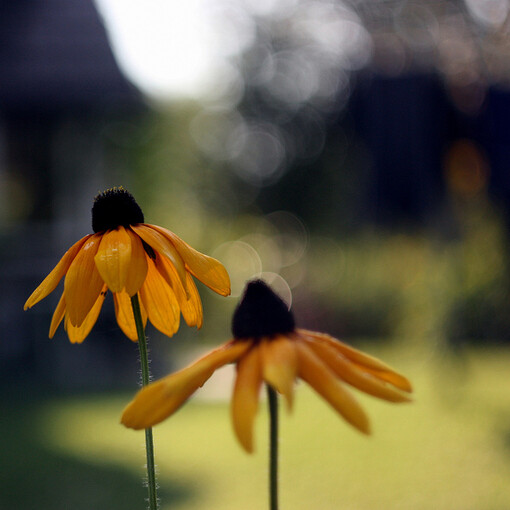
272,399
144,362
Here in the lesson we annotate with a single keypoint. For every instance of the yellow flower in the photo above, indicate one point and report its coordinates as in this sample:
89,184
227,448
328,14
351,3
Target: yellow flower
127,256
268,348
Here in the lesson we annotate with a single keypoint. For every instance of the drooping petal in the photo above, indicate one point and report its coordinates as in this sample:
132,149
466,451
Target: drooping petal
167,270
162,398
58,315
189,299
160,302
390,376
113,258
192,308
49,284
245,398
355,375
380,368
124,315
77,334
160,244
208,270
83,283
138,267
313,371
279,365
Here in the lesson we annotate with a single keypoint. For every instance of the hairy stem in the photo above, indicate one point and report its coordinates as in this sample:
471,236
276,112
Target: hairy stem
149,443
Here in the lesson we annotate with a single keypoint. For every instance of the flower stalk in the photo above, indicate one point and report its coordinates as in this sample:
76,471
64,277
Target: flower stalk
272,399
149,442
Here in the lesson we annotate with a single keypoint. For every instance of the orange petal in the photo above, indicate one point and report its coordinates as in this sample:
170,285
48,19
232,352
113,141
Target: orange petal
378,367
162,398
58,315
279,365
245,398
125,317
192,308
313,371
160,302
355,375
162,245
167,270
390,376
189,302
77,334
83,283
49,284
208,270
138,267
113,258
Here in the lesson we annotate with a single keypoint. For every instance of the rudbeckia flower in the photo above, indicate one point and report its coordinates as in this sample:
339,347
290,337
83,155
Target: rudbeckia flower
267,347
126,256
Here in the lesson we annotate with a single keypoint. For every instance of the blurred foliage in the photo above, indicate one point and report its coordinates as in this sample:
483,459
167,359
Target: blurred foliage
418,287
441,283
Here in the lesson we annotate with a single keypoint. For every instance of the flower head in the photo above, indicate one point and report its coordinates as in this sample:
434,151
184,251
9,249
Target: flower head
268,348
126,256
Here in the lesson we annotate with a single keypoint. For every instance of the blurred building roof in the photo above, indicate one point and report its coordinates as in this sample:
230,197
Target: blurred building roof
55,55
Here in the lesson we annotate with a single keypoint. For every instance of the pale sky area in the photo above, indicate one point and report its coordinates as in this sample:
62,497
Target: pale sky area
171,48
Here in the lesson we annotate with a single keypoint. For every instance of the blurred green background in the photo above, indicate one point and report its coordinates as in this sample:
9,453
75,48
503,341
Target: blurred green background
353,154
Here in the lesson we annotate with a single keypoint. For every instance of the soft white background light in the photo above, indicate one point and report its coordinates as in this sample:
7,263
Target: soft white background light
166,47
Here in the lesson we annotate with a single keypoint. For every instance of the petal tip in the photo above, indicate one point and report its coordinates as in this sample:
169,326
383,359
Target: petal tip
367,430
225,292
246,445
363,425
130,419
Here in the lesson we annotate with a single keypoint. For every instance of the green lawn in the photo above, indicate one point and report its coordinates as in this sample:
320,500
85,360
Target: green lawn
448,450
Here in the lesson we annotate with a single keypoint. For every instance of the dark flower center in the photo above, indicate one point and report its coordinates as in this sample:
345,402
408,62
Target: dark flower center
115,207
261,313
